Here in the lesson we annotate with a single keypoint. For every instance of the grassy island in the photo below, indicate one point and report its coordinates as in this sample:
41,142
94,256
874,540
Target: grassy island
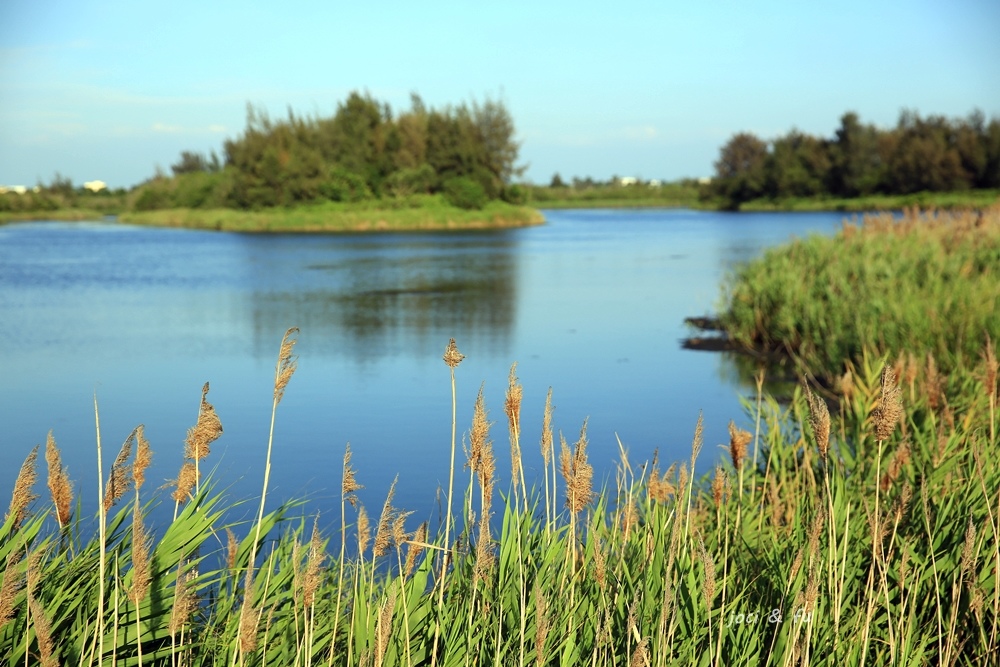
415,214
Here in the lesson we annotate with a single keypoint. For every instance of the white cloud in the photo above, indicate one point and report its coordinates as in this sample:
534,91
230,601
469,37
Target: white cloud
164,127
217,129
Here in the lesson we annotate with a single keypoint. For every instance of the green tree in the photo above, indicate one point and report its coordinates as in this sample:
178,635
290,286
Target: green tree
740,170
797,166
857,162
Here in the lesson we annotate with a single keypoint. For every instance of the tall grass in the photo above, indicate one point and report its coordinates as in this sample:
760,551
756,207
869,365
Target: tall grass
917,285
866,532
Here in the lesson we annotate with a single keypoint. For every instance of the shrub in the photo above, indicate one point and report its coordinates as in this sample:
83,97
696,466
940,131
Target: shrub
463,192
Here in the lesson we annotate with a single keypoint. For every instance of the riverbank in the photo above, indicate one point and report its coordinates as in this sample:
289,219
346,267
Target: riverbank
923,285
677,197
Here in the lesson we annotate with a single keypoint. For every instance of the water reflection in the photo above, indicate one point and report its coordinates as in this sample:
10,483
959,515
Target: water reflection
395,296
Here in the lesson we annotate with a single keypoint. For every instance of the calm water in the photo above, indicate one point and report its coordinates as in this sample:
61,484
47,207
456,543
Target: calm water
591,304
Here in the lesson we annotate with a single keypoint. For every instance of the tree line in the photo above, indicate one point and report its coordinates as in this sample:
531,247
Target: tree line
467,152
920,154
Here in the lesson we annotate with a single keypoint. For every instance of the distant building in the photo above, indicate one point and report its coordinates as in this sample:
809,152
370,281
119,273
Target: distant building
628,180
655,183
95,186
16,189
704,180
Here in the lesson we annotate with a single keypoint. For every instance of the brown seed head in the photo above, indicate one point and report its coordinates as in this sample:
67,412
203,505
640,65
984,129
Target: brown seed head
13,582
968,562
819,419
120,478
385,520
719,485
698,440
990,369
452,356
249,617
577,472
232,548
890,406
640,657
364,529
708,589
484,549
350,484
738,441
143,457
287,362
185,482
22,496
415,549
547,445
185,599
43,633
206,430
512,408
141,544
314,566
383,627
600,565
59,484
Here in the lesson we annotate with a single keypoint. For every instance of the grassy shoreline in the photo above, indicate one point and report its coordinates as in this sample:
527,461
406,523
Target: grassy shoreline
924,284
62,214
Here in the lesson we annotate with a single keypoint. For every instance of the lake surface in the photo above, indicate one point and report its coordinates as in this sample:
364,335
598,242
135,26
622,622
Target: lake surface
591,304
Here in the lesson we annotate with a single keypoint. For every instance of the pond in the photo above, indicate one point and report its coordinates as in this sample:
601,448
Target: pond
591,304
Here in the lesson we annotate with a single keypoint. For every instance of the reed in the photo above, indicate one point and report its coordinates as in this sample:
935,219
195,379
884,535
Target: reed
869,553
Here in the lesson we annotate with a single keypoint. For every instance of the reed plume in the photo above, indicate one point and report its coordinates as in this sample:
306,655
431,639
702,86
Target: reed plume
60,486
185,482
452,356
512,408
143,458
206,430
482,461
13,582
364,530
249,617
185,600
43,634
416,547
287,363
890,406
577,472
232,548
314,566
23,496
121,474
349,483
819,419
738,441
383,627
548,452
385,520
141,544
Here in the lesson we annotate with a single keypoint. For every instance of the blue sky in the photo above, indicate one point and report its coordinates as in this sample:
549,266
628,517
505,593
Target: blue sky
110,90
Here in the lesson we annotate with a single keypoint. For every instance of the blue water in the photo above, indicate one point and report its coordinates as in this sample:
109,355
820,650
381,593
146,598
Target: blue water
591,304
